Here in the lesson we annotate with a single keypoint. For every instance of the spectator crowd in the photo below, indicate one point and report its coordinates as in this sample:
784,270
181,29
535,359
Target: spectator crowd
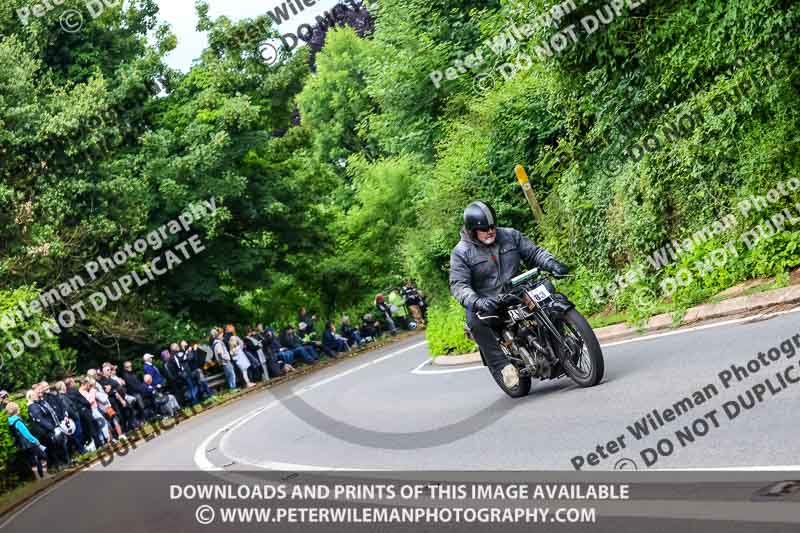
82,414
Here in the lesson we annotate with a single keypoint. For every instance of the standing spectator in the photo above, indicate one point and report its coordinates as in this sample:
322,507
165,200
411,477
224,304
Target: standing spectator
180,368
251,348
52,399
229,332
385,313
332,341
291,341
152,370
195,358
133,386
254,347
236,348
132,409
132,413
3,398
220,349
116,397
26,442
415,301
43,415
69,424
88,424
82,435
350,333
400,314
38,431
88,390
102,396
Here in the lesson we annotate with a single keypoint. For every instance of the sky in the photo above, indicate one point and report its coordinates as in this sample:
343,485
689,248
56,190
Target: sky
180,14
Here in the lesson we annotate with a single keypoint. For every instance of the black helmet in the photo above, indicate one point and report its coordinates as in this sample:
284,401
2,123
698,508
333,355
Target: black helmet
479,215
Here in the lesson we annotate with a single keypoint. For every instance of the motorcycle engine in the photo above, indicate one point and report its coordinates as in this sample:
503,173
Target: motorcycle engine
542,363
518,345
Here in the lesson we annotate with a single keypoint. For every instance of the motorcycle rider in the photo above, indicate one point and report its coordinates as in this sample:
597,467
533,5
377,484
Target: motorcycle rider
485,258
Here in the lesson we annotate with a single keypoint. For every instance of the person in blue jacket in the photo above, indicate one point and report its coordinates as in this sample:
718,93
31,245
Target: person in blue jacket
27,443
332,341
150,368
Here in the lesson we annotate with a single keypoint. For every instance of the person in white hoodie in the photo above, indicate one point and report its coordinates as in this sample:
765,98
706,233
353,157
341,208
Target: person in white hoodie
236,348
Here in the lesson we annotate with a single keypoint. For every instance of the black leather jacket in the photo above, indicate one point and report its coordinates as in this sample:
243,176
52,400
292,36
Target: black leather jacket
477,270
43,415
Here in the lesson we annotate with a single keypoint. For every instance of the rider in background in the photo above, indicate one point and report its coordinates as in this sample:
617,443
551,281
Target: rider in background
413,298
485,258
385,313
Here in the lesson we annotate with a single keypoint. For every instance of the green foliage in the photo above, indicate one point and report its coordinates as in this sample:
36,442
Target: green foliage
336,184
24,365
334,102
9,453
445,330
370,234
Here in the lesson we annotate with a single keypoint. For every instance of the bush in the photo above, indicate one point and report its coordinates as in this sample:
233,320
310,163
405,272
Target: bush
23,367
10,466
445,330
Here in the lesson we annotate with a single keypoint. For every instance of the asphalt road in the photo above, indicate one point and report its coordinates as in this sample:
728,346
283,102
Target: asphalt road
383,411
390,410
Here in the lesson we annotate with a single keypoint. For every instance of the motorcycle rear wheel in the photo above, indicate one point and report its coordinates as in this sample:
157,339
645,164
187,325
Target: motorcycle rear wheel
587,367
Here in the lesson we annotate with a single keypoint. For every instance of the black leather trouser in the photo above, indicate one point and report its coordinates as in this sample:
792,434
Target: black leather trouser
487,341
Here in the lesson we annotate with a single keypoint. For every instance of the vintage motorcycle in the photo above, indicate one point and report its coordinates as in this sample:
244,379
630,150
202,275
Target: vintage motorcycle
543,335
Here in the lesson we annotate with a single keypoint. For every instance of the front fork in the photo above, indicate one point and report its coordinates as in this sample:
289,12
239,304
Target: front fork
558,307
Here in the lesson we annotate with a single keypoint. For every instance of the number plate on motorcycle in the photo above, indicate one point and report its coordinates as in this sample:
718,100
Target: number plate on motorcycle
540,293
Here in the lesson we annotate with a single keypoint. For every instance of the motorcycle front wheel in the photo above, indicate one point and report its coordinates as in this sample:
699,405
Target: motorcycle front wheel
584,364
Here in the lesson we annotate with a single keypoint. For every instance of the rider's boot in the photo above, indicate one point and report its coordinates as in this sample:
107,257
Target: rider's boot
510,376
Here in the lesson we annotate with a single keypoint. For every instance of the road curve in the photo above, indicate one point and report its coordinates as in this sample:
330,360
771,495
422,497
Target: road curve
373,412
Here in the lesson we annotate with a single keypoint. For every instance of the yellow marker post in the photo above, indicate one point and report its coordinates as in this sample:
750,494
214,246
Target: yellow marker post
522,178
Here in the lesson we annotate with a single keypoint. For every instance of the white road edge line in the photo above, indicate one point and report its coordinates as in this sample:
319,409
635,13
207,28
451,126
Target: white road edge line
202,461
775,468
418,370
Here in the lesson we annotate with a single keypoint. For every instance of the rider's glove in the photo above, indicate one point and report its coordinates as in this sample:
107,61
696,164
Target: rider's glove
487,305
556,268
